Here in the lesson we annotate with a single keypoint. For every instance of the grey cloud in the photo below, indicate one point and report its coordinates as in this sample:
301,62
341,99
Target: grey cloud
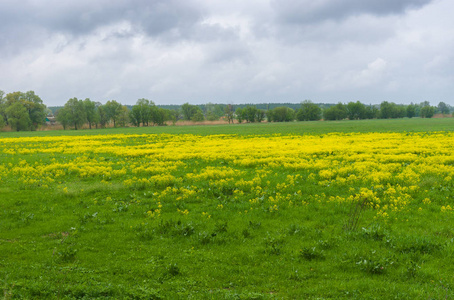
307,11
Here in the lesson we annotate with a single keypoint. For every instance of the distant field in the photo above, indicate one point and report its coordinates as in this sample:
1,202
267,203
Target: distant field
307,210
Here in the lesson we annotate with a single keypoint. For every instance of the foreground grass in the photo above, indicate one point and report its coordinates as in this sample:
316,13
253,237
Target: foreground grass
228,217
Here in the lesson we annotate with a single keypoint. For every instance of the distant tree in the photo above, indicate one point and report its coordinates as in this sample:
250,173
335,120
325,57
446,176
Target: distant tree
443,108
427,111
102,114
228,111
113,110
18,117
135,116
356,111
171,115
411,110
260,115
250,113
372,112
386,110
424,103
211,116
74,111
308,112
123,116
197,116
33,105
142,111
240,115
213,111
160,116
35,108
390,110
336,112
281,114
62,116
90,112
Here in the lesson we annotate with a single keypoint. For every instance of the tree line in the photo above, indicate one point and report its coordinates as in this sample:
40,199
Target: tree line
26,111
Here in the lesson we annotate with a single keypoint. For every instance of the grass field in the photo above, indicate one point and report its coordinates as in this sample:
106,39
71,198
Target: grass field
310,210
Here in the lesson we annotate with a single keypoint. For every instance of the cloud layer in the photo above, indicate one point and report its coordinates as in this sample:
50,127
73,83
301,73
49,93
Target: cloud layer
235,52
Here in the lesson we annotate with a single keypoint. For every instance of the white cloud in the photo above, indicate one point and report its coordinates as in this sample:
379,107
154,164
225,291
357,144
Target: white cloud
236,51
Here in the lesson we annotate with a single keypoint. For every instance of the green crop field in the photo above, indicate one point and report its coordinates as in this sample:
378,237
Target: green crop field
301,210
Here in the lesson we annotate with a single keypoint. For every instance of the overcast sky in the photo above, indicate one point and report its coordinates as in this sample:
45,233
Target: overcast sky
199,51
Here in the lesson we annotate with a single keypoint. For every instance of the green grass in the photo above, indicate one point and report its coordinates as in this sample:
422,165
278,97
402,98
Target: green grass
96,241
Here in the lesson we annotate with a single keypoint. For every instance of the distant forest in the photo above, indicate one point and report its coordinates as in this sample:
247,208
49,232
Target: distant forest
21,111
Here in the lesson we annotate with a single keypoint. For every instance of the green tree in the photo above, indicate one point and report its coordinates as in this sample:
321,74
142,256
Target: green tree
228,112
62,116
250,113
212,111
372,112
427,111
356,111
90,112
102,114
411,110
143,111
240,115
390,110
35,108
113,110
197,116
189,111
443,108
281,114
123,116
260,115
336,112
18,117
74,111
161,115
33,105
135,115
309,112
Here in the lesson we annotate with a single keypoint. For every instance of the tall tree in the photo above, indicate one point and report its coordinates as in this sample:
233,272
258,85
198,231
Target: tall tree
63,117
336,112
74,112
90,112
113,110
123,116
356,111
443,108
33,105
35,108
18,117
427,111
102,114
240,114
411,110
228,110
309,112
281,114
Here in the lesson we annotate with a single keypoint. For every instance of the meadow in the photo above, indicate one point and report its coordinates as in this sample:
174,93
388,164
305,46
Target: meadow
304,210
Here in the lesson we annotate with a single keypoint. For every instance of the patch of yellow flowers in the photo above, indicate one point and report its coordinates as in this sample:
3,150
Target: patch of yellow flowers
387,169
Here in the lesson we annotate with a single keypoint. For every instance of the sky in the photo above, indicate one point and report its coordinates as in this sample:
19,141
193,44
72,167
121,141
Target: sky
255,51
